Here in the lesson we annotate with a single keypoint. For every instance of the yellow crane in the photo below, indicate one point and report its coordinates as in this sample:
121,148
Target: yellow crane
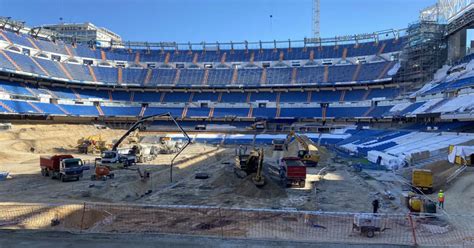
308,151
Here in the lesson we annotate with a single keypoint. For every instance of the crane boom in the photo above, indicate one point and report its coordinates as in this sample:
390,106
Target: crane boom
142,120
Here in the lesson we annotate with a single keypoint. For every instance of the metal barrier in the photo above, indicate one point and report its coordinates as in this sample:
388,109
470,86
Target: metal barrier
430,230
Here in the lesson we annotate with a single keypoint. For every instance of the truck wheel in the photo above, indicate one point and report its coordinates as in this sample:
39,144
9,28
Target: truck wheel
302,183
370,233
43,172
93,178
62,178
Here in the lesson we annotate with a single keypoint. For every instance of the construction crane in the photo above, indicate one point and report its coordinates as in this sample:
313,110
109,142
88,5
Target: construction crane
316,19
310,152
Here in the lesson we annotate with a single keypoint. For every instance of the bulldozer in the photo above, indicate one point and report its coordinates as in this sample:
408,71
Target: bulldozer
251,163
308,153
93,144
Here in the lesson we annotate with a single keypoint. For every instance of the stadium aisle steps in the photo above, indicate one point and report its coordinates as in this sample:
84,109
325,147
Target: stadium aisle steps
137,57
62,109
167,58
249,95
235,75
326,74
206,77
3,105
263,78
211,112
223,58
344,53
219,98
252,58
66,72
33,43
11,60
367,93
28,89
148,76
99,109
5,37
343,94
278,112
110,95
68,51
185,112
310,95
91,71
382,48
367,113
195,58
40,66
178,75
142,111
250,114
356,73
293,75
35,107
76,93
120,75
103,55
311,55
385,70
162,97
132,96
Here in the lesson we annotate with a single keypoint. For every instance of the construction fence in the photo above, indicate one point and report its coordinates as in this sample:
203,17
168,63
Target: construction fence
410,229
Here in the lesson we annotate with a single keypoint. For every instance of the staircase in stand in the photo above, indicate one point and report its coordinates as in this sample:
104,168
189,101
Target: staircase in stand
326,74
263,78
28,89
176,79
162,97
17,67
252,57
385,70
367,113
185,112
6,107
148,76
110,96
206,77
344,53
167,58
120,75
293,75
366,95
35,107
68,51
137,58
381,49
311,55
223,58
249,95
5,37
191,96
66,72
76,93
211,112
132,96
62,109
99,109
250,114
142,111
219,97
103,56
278,111
39,66
234,76
356,73
33,43
310,95
91,71
343,95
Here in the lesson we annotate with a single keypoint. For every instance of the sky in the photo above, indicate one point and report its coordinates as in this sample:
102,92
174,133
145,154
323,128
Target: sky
219,20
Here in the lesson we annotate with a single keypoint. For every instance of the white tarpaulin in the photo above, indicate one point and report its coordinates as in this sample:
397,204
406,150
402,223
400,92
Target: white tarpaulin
461,151
387,160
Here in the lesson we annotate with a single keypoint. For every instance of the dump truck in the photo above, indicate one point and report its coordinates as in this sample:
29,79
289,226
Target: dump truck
292,171
422,179
62,167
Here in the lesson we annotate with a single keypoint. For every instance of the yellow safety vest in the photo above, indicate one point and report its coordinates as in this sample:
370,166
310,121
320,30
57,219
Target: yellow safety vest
441,196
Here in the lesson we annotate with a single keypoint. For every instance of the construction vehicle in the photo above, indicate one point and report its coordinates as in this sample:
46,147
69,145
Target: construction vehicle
145,152
247,164
368,224
422,179
114,157
308,152
278,144
169,146
93,144
292,171
62,167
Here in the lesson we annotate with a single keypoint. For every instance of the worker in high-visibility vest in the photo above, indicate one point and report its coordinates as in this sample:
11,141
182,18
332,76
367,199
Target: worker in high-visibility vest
441,199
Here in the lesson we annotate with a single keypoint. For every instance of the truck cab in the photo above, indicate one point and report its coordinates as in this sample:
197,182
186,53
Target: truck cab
114,157
62,167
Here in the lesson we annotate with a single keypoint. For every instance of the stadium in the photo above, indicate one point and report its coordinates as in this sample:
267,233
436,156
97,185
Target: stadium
214,130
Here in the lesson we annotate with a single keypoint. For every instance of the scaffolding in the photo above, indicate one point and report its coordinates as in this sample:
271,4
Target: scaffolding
425,51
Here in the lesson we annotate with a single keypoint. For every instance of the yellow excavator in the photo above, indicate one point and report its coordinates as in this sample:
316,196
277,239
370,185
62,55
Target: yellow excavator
246,164
93,144
308,152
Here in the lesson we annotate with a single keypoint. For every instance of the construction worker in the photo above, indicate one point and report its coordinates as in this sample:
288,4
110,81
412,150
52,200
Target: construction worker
441,199
375,205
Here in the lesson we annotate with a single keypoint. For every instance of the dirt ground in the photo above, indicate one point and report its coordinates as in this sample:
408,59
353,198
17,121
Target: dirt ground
22,146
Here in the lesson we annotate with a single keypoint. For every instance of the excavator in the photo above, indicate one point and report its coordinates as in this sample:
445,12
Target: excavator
113,157
308,152
247,164
93,144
